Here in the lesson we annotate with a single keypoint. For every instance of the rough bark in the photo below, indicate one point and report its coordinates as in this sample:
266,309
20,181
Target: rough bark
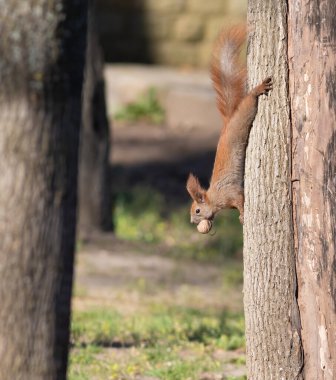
271,311
42,57
312,48
95,208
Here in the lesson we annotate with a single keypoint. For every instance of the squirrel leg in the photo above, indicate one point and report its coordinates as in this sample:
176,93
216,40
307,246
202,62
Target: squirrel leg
240,207
238,203
241,121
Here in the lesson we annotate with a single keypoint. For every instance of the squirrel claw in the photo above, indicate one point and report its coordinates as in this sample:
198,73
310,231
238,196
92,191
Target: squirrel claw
263,88
267,85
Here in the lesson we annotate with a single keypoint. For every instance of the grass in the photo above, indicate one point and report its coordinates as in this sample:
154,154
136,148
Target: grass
172,343
167,325
170,339
147,108
141,215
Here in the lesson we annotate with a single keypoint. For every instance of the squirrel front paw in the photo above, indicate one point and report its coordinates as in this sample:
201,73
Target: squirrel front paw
264,87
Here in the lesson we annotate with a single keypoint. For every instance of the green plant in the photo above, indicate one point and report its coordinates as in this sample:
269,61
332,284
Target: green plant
147,108
79,361
97,327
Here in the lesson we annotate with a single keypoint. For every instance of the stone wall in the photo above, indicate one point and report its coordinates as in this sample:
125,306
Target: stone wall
171,32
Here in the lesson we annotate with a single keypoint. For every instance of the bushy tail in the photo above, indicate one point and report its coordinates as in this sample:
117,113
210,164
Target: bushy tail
227,73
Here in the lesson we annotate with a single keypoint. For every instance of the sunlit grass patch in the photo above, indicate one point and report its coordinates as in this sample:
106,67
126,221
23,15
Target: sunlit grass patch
81,359
162,362
146,108
159,324
169,364
141,215
173,343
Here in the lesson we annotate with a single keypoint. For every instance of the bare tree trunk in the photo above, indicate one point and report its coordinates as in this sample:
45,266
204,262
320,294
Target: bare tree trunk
271,311
42,56
312,48
95,208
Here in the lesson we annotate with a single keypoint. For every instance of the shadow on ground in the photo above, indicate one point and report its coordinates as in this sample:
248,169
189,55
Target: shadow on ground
161,159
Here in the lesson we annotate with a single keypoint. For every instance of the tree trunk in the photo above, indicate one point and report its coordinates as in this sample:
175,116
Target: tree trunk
312,48
271,310
95,208
42,49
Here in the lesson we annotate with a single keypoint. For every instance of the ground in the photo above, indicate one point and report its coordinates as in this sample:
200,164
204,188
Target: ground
157,300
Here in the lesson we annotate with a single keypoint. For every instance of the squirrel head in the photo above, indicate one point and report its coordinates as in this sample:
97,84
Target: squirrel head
201,207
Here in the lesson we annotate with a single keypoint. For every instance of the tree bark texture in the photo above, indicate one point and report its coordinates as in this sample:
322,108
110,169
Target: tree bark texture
271,311
95,207
42,53
312,49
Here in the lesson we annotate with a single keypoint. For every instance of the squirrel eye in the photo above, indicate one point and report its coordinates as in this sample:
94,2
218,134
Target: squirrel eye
198,211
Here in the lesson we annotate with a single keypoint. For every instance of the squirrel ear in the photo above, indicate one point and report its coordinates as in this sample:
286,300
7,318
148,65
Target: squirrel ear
195,190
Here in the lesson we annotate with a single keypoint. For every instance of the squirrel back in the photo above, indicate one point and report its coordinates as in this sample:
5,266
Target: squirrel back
227,73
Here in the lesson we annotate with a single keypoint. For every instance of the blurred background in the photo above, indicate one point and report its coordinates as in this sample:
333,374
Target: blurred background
153,298
168,32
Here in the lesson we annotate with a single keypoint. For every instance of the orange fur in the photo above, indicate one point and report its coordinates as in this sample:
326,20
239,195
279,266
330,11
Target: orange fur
238,111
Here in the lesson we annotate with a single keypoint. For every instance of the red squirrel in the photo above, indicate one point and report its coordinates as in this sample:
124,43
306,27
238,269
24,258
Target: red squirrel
238,110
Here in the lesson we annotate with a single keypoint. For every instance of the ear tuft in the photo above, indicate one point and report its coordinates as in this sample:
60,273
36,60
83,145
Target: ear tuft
195,190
